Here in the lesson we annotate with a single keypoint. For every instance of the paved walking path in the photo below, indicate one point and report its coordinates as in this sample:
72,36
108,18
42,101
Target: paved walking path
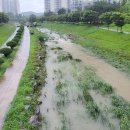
113,30
10,82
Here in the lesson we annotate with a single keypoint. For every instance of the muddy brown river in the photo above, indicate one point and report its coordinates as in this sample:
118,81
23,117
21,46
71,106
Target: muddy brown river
10,81
63,106
107,72
117,79
61,109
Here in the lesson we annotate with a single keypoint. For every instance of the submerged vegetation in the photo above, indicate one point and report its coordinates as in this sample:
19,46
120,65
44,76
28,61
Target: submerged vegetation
91,105
64,57
59,92
121,109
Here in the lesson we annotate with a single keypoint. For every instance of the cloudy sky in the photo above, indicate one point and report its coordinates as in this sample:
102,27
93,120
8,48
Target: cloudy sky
32,5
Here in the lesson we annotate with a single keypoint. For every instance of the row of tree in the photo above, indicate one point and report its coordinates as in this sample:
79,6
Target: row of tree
93,17
101,12
3,18
118,18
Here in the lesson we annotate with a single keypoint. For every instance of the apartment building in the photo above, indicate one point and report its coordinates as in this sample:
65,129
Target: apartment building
72,5
10,6
55,5
1,9
47,5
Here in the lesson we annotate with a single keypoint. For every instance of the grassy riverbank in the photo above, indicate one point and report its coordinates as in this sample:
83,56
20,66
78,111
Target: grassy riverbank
112,46
8,60
5,31
25,101
126,27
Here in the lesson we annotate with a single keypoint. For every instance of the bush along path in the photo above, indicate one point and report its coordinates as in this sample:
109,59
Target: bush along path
9,49
6,31
10,81
24,112
11,37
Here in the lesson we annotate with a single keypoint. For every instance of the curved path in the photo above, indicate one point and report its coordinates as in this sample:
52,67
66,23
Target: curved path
10,82
113,30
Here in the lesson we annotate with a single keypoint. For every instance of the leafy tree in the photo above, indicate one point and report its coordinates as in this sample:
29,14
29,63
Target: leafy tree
61,11
126,7
3,18
123,2
41,19
32,18
1,61
90,17
119,19
6,51
46,14
75,16
102,6
12,44
42,38
69,17
106,18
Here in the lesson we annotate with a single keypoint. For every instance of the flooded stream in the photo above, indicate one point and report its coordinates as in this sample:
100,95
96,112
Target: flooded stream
64,105
112,76
79,88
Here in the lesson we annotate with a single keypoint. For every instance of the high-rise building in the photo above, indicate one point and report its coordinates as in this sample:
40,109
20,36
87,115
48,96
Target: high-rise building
6,6
14,7
11,6
52,5
66,4
75,4
55,5
47,5
1,9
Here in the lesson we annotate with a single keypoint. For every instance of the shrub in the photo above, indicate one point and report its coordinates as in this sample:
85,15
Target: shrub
18,36
31,32
43,38
12,44
6,51
1,61
16,39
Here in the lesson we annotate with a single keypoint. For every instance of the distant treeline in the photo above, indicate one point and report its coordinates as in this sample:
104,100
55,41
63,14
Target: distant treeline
3,18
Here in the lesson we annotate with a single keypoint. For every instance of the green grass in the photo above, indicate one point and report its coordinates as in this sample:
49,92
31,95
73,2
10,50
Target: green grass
112,46
126,27
5,31
18,118
121,109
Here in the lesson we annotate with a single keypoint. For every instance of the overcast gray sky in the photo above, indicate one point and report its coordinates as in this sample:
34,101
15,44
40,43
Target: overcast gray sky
32,5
